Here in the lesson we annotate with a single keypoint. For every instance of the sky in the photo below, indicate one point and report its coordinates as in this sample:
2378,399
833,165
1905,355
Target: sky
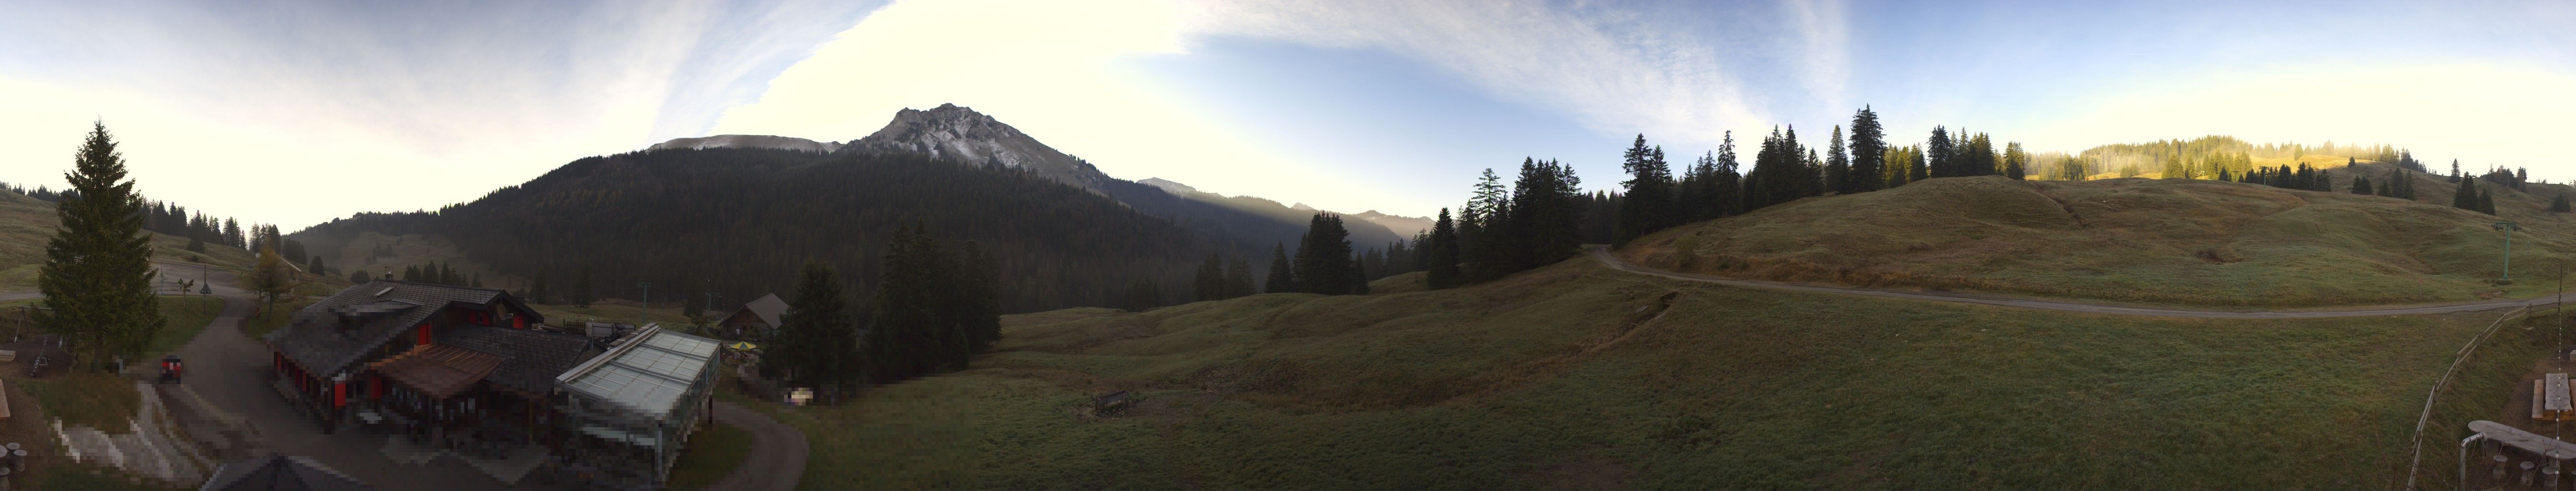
295,113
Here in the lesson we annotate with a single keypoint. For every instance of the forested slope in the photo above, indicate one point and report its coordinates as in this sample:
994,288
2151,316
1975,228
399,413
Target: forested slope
740,221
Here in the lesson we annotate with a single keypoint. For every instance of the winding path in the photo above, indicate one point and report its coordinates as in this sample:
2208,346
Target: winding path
1603,254
777,458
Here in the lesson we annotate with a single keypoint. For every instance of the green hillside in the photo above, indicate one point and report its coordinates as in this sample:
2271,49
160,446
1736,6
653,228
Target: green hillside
27,223
2145,240
1579,377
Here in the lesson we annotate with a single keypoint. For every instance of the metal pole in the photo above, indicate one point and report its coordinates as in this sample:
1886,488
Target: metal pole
2508,253
647,303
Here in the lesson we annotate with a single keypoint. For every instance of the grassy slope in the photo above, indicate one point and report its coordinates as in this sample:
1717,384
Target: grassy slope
711,454
27,223
2145,240
1566,378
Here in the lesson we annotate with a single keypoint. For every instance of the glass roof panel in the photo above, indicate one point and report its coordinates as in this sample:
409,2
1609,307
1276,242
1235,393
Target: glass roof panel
651,376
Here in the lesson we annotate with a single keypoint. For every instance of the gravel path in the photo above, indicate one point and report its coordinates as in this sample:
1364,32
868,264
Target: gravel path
777,458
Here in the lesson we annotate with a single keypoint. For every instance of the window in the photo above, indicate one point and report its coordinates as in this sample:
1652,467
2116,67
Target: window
478,317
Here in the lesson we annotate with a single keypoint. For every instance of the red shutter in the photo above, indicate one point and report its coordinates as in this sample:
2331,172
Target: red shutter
424,334
339,394
519,322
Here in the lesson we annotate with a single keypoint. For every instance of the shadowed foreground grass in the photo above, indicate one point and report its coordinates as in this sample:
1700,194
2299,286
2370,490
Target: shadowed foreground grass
711,454
1576,377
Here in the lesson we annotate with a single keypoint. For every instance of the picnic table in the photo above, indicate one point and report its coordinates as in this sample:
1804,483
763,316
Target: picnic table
2550,400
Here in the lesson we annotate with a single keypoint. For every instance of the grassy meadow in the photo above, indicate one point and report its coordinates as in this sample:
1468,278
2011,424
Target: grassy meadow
2192,242
27,223
1578,377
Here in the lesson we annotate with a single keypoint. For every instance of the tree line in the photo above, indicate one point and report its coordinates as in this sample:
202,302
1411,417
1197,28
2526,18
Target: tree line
936,306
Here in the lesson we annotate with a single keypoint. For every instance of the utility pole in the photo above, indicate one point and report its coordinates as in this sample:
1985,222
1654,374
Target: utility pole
2508,228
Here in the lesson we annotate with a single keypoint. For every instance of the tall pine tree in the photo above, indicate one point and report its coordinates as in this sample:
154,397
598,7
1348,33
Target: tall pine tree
1650,192
1441,253
1868,152
1838,171
1324,263
1283,276
815,344
97,277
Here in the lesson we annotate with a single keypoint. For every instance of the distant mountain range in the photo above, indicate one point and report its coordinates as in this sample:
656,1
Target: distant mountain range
661,215
1402,226
747,141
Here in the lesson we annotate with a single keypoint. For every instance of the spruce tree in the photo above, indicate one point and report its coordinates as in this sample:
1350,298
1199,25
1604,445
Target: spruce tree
1837,164
1650,196
1938,150
1283,276
2016,161
1324,258
1209,282
1694,197
1868,151
2486,202
1441,260
1238,278
1727,184
1915,168
815,343
2559,204
97,276
2466,195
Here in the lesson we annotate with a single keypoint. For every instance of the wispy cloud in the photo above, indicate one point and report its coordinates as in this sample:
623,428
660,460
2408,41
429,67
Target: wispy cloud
1613,69
321,102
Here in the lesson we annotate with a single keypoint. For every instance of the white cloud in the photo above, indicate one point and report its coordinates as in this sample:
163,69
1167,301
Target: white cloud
363,109
1610,70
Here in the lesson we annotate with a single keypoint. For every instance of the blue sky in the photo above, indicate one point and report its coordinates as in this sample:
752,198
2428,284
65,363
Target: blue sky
298,112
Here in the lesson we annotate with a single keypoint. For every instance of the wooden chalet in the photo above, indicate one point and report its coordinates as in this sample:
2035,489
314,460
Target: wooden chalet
755,320
452,363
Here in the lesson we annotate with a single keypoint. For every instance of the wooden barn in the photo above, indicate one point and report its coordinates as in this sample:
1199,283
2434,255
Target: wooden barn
755,320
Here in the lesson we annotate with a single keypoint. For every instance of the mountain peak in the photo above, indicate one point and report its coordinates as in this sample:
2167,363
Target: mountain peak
959,133
747,141
1169,186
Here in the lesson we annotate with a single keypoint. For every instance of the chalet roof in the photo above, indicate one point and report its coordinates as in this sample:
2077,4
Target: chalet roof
530,359
281,473
439,370
337,331
768,308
